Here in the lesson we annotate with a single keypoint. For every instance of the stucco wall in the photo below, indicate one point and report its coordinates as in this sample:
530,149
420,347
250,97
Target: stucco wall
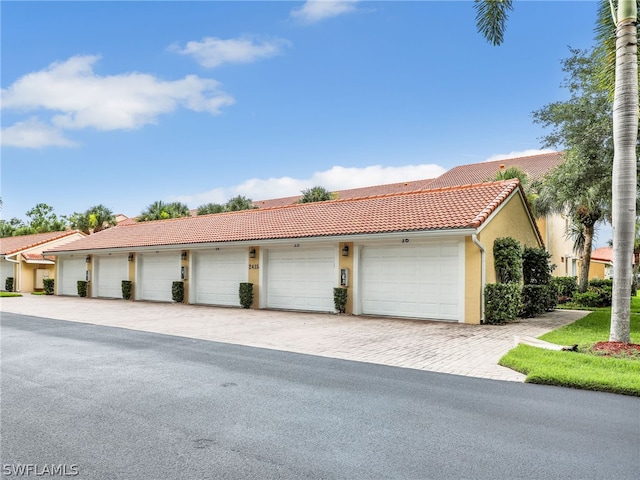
557,244
347,262
597,270
512,220
254,275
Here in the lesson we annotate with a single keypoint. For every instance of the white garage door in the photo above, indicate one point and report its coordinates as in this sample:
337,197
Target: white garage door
6,270
71,270
156,274
413,280
109,271
302,279
216,276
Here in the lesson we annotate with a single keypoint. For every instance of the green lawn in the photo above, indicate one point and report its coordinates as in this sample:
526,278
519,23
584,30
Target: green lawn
10,294
582,369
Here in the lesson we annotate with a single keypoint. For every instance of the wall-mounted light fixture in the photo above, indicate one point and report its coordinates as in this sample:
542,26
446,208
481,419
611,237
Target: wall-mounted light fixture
252,253
345,251
184,255
130,258
88,259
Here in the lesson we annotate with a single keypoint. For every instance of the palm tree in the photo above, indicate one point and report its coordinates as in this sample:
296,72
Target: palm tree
209,208
491,17
100,218
163,211
238,203
315,194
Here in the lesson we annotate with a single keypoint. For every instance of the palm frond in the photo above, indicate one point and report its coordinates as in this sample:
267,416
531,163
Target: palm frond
491,18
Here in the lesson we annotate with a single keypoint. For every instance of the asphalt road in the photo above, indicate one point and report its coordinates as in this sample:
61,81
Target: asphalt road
108,403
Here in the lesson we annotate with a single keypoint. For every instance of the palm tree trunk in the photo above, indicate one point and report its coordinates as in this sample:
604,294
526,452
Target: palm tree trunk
625,132
586,258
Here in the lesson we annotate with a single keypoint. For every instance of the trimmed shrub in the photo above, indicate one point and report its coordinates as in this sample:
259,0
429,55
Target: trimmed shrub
601,283
127,289
8,284
246,294
536,269
340,295
177,291
48,285
507,254
534,300
82,288
566,286
594,297
551,297
502,302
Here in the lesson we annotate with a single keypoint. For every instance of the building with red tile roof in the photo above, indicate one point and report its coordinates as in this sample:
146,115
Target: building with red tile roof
23,261
371,191
419,254
535,166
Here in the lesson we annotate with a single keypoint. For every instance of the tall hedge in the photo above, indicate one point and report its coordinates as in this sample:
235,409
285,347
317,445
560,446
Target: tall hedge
536,268
507,255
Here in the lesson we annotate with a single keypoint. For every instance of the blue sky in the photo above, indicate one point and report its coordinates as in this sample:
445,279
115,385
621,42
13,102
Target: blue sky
126,103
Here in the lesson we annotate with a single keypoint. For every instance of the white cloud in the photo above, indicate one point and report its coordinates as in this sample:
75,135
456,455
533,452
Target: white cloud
316,10
523,153
33,134
212,52
79,98
336,178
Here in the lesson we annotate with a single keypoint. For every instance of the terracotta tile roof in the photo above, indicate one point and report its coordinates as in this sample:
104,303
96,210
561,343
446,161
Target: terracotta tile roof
439,209
603,254
535,166
371,191
37,257
11,245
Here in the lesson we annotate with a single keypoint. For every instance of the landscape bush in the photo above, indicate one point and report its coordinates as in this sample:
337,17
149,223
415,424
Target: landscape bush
8,284
507,255
566,286
246,294
177,291
82,288
340,295
48,285
534,300
127,289
502,302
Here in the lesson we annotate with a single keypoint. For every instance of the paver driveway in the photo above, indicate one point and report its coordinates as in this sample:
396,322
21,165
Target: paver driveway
471,350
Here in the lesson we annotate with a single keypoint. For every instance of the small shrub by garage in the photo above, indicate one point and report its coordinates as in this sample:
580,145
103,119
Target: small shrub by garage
82,288
8,284
127,289
502,302
177,292
340,295
246,294
48,285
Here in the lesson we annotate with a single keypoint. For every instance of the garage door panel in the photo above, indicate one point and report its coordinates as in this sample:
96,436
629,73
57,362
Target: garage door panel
71,270
301,279
157,272
217,275
108,275
417,280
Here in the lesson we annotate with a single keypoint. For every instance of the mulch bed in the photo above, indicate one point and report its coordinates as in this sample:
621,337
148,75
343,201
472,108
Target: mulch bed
616,349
